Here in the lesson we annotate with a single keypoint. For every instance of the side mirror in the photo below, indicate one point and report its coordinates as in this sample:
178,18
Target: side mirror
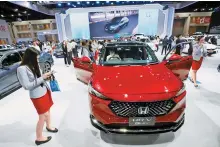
85,59
175,57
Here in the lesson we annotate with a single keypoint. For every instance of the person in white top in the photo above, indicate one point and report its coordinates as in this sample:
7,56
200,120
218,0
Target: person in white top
69,52
74,49
36,46
112,55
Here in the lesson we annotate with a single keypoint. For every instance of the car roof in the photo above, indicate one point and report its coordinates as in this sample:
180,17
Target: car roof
125,43
3,52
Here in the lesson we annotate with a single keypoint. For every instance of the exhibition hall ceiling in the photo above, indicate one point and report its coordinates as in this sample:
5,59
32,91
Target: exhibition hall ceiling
12,11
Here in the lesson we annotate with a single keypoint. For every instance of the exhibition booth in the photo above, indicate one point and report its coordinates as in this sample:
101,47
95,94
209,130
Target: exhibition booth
115,21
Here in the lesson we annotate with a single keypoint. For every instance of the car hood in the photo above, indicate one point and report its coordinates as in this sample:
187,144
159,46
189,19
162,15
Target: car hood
152,79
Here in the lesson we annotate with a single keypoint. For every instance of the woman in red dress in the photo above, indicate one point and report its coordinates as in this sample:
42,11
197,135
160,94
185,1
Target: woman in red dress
30,78
199,51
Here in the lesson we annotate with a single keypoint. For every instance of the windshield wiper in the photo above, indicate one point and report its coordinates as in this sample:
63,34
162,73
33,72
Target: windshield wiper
153,63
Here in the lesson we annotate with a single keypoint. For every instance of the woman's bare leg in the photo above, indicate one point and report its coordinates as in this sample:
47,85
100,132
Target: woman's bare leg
39,128
194,76
48,121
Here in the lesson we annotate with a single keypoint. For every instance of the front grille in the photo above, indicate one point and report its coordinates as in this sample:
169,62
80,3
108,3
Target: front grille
130,109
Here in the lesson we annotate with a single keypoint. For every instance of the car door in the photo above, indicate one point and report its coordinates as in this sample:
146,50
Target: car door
10,64
181,64
83,65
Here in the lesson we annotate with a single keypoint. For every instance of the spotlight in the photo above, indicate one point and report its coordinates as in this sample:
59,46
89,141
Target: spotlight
25,12
12,15
88,2
2,15
97,2
196,10
202,9
68,4
210,9
78,3
107,2
16,10
59,4
19,14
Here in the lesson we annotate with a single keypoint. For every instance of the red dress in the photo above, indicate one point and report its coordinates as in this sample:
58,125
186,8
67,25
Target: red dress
43,104
197,64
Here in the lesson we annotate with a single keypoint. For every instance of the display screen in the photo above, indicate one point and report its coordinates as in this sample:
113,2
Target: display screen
214,27
113,24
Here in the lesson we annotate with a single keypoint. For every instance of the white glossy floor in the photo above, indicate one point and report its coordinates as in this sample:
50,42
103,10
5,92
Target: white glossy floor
70,114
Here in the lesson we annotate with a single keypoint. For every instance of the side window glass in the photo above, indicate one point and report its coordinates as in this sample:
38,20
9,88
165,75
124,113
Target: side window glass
11,59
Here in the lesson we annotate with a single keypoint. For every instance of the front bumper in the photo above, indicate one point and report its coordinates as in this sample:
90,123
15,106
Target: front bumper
162,127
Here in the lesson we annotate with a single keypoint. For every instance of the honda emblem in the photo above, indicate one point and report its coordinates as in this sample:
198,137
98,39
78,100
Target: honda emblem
143,110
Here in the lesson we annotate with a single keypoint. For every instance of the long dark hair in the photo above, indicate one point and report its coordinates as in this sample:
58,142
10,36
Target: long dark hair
30,60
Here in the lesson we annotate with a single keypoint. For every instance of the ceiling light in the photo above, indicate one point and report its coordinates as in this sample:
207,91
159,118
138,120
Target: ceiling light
2,15
25,12
19,14
78,3
112,3
59,4
16,10
210,9
12,15
97,2
196,10
202,9
107,2
68,4
117,1
87,2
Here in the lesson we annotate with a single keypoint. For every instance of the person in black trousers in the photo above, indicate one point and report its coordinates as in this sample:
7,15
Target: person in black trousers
64,47
165,43
170,41
179,47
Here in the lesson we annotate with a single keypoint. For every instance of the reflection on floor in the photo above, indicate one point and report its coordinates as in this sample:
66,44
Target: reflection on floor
70,114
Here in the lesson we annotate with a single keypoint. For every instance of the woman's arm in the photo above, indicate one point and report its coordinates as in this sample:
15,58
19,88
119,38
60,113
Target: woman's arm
24,80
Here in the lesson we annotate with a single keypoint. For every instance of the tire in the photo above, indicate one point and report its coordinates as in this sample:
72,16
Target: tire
46,67
218,68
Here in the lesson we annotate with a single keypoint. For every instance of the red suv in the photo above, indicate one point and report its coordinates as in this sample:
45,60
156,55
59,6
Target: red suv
131,91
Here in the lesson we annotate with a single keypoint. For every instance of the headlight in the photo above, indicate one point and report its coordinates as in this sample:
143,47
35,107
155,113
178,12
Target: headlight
183,89
96,93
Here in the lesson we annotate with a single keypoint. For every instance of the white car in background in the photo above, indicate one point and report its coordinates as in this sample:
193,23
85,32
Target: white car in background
3,47
6,47
139,36
211,48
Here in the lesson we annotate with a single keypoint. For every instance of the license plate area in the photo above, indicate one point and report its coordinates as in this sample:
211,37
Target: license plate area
142,121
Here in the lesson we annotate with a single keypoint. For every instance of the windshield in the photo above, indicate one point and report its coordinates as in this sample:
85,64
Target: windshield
116,20
128,55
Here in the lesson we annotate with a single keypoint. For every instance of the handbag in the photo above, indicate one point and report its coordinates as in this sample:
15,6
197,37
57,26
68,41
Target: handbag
54,86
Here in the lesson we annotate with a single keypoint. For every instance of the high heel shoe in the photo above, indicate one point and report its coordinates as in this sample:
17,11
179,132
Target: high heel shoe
52,131
42,142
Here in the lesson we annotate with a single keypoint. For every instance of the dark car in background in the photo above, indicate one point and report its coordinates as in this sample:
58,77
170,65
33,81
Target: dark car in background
58,52
9,62
116,24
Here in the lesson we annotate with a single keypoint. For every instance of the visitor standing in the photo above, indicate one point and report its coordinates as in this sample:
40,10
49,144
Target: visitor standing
69,52
165,43
64,48
74,48
31,79
199,52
